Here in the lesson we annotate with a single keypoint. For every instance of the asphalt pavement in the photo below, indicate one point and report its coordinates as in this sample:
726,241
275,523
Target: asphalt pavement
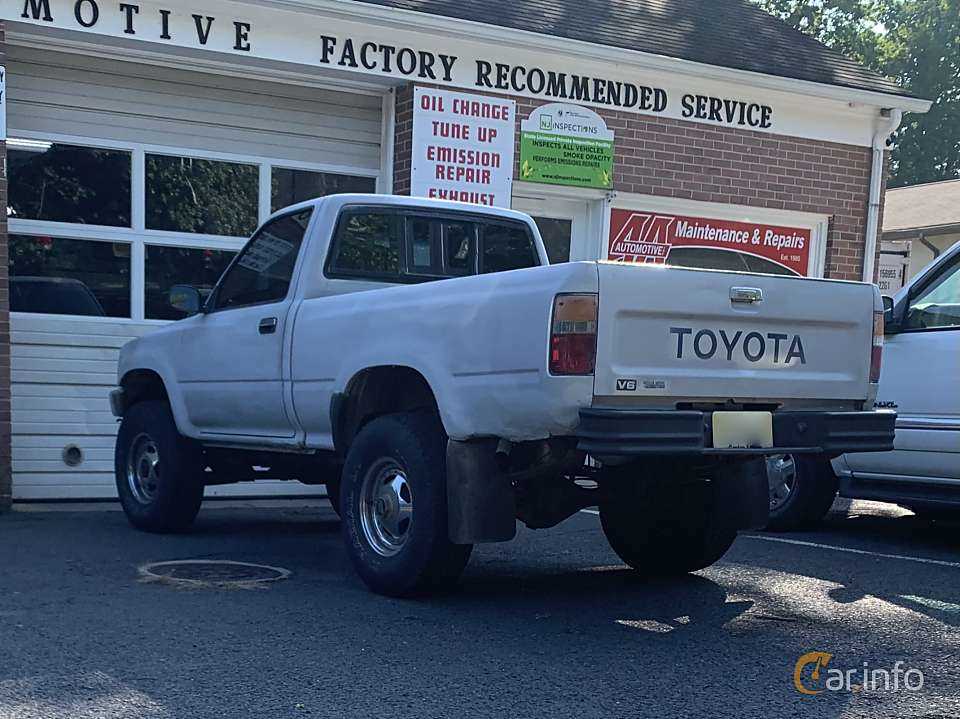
549,625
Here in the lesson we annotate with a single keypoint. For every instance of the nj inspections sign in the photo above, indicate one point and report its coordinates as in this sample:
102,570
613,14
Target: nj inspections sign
664,238
566,145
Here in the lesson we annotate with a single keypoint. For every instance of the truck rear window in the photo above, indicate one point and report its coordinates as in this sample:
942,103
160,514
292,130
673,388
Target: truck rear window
410,246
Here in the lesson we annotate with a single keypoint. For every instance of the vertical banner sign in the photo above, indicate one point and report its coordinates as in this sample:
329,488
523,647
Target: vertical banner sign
652,237
462,147
566,145
3,103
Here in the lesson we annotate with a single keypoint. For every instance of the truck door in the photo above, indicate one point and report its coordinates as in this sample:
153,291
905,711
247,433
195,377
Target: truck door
230,366
921,378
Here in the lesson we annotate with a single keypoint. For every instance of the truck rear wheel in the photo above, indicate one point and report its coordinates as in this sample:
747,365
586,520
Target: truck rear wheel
394,504
158,471
661,518
802,490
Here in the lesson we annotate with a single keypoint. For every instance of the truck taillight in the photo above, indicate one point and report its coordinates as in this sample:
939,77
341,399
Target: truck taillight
876,351
573,335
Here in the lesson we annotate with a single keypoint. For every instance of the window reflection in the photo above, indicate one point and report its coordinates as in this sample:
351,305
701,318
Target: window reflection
210,197
169,266
68,183
69,277
292,186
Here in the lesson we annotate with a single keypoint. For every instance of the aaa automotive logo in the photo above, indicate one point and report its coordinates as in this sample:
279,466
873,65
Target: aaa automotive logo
648,237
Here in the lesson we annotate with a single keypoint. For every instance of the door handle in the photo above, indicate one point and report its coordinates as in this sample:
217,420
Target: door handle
268,325
746,295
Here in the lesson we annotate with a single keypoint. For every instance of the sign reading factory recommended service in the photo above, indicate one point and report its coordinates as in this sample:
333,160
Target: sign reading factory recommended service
566,145
662,238
462,147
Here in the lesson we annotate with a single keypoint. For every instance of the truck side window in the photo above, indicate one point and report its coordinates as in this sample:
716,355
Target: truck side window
937,306
367,243
264,268
505,247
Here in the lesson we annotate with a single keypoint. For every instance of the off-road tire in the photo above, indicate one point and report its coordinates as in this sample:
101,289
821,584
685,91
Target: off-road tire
663,518
333,494
427,560
814,490
173,504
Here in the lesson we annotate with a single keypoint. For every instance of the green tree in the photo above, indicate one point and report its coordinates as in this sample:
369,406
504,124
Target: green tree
916,43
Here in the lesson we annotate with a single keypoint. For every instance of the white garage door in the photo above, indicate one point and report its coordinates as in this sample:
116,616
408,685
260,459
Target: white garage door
125,179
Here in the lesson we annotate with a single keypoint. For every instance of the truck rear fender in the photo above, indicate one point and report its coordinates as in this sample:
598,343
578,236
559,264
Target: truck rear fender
377,391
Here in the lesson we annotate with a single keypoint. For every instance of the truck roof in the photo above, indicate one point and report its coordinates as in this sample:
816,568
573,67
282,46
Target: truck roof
338,201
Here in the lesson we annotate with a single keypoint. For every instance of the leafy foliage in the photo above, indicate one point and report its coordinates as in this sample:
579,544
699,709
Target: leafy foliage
204,196
916,43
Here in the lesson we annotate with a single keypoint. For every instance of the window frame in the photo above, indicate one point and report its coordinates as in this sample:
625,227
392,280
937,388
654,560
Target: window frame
210,307
950,267
407,215
137,236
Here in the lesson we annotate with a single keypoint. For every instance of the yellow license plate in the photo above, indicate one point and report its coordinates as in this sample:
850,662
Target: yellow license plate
742,430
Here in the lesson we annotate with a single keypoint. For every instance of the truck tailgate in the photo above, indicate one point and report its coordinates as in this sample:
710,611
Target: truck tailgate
680,334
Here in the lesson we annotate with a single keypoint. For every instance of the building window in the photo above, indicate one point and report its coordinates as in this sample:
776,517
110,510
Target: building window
209,197
292,186
169,266
68,183
69,277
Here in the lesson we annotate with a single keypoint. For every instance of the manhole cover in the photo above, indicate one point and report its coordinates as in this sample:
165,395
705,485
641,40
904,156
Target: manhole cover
212,573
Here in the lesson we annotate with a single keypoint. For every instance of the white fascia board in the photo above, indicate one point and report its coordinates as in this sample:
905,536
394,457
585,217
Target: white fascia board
578,49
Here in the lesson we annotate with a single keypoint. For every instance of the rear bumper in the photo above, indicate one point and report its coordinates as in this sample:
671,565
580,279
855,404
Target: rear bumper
628,432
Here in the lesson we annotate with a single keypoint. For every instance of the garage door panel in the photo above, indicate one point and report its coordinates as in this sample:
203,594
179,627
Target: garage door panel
63,368
56,93
56,404
42,351
54,453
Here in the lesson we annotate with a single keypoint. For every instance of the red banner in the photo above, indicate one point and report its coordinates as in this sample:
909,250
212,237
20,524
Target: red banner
637,236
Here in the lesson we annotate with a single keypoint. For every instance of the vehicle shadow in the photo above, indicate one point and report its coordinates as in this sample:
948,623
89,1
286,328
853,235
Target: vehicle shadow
926,587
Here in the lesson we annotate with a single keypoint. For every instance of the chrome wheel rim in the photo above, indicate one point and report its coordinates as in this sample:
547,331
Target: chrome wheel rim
781,479
143,469
386,507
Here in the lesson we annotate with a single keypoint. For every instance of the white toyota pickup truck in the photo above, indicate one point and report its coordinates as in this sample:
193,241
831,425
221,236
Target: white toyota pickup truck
437,413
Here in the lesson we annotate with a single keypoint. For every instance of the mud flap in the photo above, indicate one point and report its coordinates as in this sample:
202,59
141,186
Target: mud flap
744,493
480,501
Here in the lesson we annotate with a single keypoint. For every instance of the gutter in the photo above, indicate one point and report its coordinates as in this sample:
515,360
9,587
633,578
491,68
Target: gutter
890,121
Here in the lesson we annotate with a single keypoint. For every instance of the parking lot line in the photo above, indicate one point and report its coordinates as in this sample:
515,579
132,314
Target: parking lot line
833,547
851,550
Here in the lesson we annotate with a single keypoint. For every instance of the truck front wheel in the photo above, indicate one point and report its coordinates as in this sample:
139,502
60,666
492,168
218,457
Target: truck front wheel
159,472
394,504
662,518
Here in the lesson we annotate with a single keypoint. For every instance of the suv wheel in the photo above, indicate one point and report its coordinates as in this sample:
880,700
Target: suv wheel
802,490
394,504
159,473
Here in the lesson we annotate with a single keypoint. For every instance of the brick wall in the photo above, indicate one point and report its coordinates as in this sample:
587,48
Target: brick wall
5,473
695,161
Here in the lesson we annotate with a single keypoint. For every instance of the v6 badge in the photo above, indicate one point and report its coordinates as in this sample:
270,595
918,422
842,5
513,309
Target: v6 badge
626,385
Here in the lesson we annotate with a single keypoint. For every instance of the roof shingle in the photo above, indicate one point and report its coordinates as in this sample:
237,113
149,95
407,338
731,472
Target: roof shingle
726,33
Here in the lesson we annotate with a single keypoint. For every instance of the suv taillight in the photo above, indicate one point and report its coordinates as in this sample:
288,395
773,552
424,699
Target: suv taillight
876,351
573,335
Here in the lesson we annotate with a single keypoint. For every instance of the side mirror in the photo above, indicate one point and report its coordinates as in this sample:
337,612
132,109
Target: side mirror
186,299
